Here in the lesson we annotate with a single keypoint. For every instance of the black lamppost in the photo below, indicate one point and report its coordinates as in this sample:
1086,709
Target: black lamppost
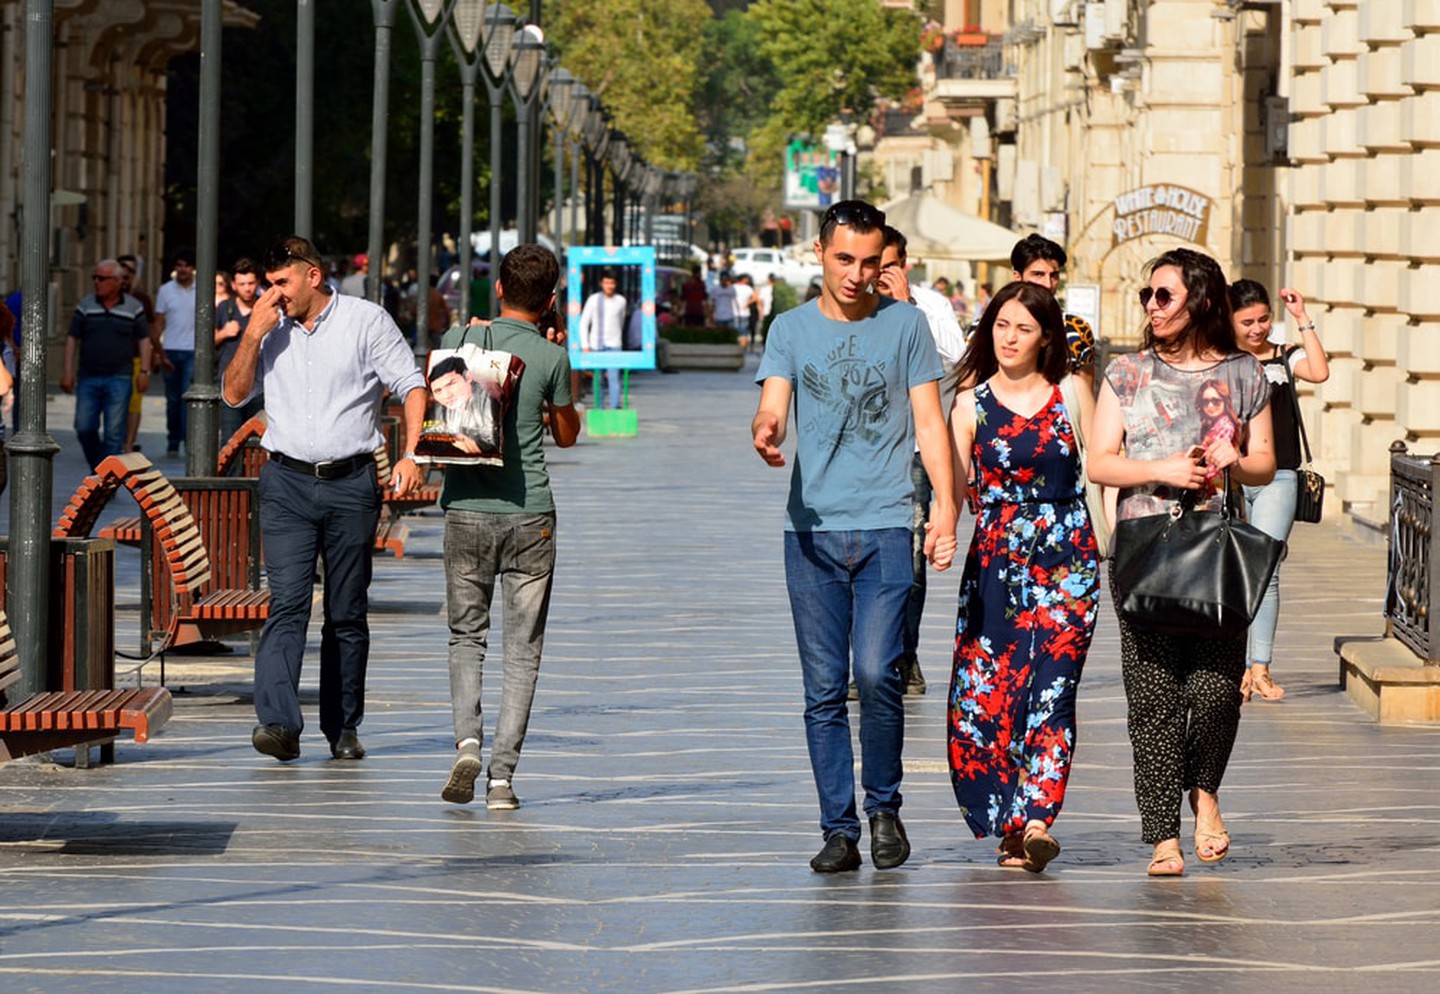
464,29
525,58
561,96
429,17
202,397
619,156
575,138
379,144
499,34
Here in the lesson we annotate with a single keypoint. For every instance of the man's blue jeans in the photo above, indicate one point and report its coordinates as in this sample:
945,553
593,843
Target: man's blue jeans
848,592
518,550
99,397
177,381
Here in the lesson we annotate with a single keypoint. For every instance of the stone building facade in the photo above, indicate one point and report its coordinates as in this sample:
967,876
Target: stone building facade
107,162
1296,141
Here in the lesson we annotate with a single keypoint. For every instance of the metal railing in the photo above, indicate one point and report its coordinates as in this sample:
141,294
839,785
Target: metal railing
1412,592
975,62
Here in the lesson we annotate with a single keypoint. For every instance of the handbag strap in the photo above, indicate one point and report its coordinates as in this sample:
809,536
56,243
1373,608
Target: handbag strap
488,346
1295,402
1071,400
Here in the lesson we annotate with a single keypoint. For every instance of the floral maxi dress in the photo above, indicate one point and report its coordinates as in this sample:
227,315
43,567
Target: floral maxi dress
1028,602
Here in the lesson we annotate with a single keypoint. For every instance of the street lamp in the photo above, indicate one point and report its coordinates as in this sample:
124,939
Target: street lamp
379,140
525,59
499,34
429,17
560,98
466,24
575,135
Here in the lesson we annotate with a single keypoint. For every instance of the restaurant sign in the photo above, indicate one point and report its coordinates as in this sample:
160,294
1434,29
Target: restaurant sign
1161,209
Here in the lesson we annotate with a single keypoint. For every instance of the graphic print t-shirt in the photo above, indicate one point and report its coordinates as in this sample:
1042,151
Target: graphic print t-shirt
1169,410
853,432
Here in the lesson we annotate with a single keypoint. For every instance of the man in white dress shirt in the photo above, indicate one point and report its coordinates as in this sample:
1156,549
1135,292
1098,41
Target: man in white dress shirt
602,329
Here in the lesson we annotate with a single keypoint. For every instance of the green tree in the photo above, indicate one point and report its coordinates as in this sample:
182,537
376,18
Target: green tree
643,59
738,86
833,57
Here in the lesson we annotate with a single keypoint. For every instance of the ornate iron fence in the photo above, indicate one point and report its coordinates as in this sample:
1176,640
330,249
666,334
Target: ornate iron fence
1413,576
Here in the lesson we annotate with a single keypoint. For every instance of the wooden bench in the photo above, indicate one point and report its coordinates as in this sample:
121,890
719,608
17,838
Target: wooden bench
241,455
57,719
189,596
78,518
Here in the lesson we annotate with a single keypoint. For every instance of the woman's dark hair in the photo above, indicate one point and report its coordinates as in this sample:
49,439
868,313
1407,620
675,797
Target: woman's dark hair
1207,302
979,362
1248,293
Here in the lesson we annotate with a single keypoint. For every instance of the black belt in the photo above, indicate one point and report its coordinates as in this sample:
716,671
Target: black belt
333,470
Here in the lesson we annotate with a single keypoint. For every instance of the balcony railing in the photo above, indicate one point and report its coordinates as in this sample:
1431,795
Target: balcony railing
974,62
1413,586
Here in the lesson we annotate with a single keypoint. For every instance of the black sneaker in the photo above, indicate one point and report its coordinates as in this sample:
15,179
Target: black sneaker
500,796
460,788
888,845
839,855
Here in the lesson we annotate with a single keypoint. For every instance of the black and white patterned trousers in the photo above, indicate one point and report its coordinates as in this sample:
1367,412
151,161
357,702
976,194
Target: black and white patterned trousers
1183,696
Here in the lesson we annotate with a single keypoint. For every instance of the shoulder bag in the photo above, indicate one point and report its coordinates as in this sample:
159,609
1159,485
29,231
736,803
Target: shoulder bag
1094,494
1310,494
1191,572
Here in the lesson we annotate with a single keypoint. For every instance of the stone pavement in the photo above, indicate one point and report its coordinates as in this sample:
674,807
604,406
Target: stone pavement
668,809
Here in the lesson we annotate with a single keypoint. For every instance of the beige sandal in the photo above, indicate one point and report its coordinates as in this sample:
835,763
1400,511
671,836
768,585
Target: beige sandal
1247,686
1266,688
1040,848
1168,860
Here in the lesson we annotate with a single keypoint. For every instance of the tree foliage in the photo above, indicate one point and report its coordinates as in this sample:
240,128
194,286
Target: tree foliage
833,57
643,58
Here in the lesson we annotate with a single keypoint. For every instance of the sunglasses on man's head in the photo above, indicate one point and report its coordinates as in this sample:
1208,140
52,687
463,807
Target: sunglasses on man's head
283,253
854,212
1162,296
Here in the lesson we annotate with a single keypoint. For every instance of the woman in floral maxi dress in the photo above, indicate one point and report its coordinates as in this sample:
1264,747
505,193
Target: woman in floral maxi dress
1028,595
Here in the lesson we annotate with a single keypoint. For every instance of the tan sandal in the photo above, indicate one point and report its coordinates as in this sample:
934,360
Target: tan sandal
1168,860
1247,687
1211,844
1266,688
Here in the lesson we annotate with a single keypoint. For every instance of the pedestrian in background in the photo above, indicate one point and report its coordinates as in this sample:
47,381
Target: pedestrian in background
175,326
1029,595
1183,691
1271,507
107,332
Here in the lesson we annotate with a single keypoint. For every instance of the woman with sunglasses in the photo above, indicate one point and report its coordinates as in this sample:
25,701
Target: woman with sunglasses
1028,598
1183,691
1271,508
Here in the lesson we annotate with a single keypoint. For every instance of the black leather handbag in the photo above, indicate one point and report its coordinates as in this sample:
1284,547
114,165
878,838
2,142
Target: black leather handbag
1192,572
1310,489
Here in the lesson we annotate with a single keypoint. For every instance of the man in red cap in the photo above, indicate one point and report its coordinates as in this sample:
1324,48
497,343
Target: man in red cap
354,284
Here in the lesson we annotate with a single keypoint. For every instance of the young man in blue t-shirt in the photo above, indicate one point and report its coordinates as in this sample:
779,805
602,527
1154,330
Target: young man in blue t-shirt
863,374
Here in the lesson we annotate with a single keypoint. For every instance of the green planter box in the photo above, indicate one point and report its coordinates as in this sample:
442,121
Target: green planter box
621,423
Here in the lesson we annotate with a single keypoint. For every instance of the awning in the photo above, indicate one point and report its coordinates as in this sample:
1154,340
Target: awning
935,230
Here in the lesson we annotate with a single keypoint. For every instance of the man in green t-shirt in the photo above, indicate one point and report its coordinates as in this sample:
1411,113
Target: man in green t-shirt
500,522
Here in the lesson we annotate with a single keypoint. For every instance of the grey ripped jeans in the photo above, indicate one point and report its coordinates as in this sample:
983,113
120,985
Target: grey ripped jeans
519,549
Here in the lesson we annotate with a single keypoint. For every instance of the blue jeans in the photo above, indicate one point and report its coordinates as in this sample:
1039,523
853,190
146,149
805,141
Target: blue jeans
848,592
302,517
177,381
99,397
612,385
519,549
1270,508
915,609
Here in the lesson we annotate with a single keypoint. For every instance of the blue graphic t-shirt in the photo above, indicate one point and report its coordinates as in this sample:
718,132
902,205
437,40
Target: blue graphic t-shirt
854,436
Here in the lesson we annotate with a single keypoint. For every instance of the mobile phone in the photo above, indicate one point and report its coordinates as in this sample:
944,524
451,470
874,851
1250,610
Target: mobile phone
1196,452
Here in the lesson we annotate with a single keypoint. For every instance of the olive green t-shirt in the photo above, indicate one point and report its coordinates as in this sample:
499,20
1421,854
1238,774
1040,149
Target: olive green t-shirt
522,484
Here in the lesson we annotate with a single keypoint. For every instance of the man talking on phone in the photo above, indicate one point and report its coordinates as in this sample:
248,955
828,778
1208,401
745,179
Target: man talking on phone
326,360
863,375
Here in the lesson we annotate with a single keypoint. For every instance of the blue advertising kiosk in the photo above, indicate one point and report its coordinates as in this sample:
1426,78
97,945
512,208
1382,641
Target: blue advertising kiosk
620,421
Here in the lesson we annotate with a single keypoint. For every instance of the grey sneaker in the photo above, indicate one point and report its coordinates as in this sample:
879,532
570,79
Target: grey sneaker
500,797
460,788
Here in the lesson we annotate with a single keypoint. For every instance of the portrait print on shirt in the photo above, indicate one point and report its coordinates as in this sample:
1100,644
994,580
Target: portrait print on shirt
474,388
